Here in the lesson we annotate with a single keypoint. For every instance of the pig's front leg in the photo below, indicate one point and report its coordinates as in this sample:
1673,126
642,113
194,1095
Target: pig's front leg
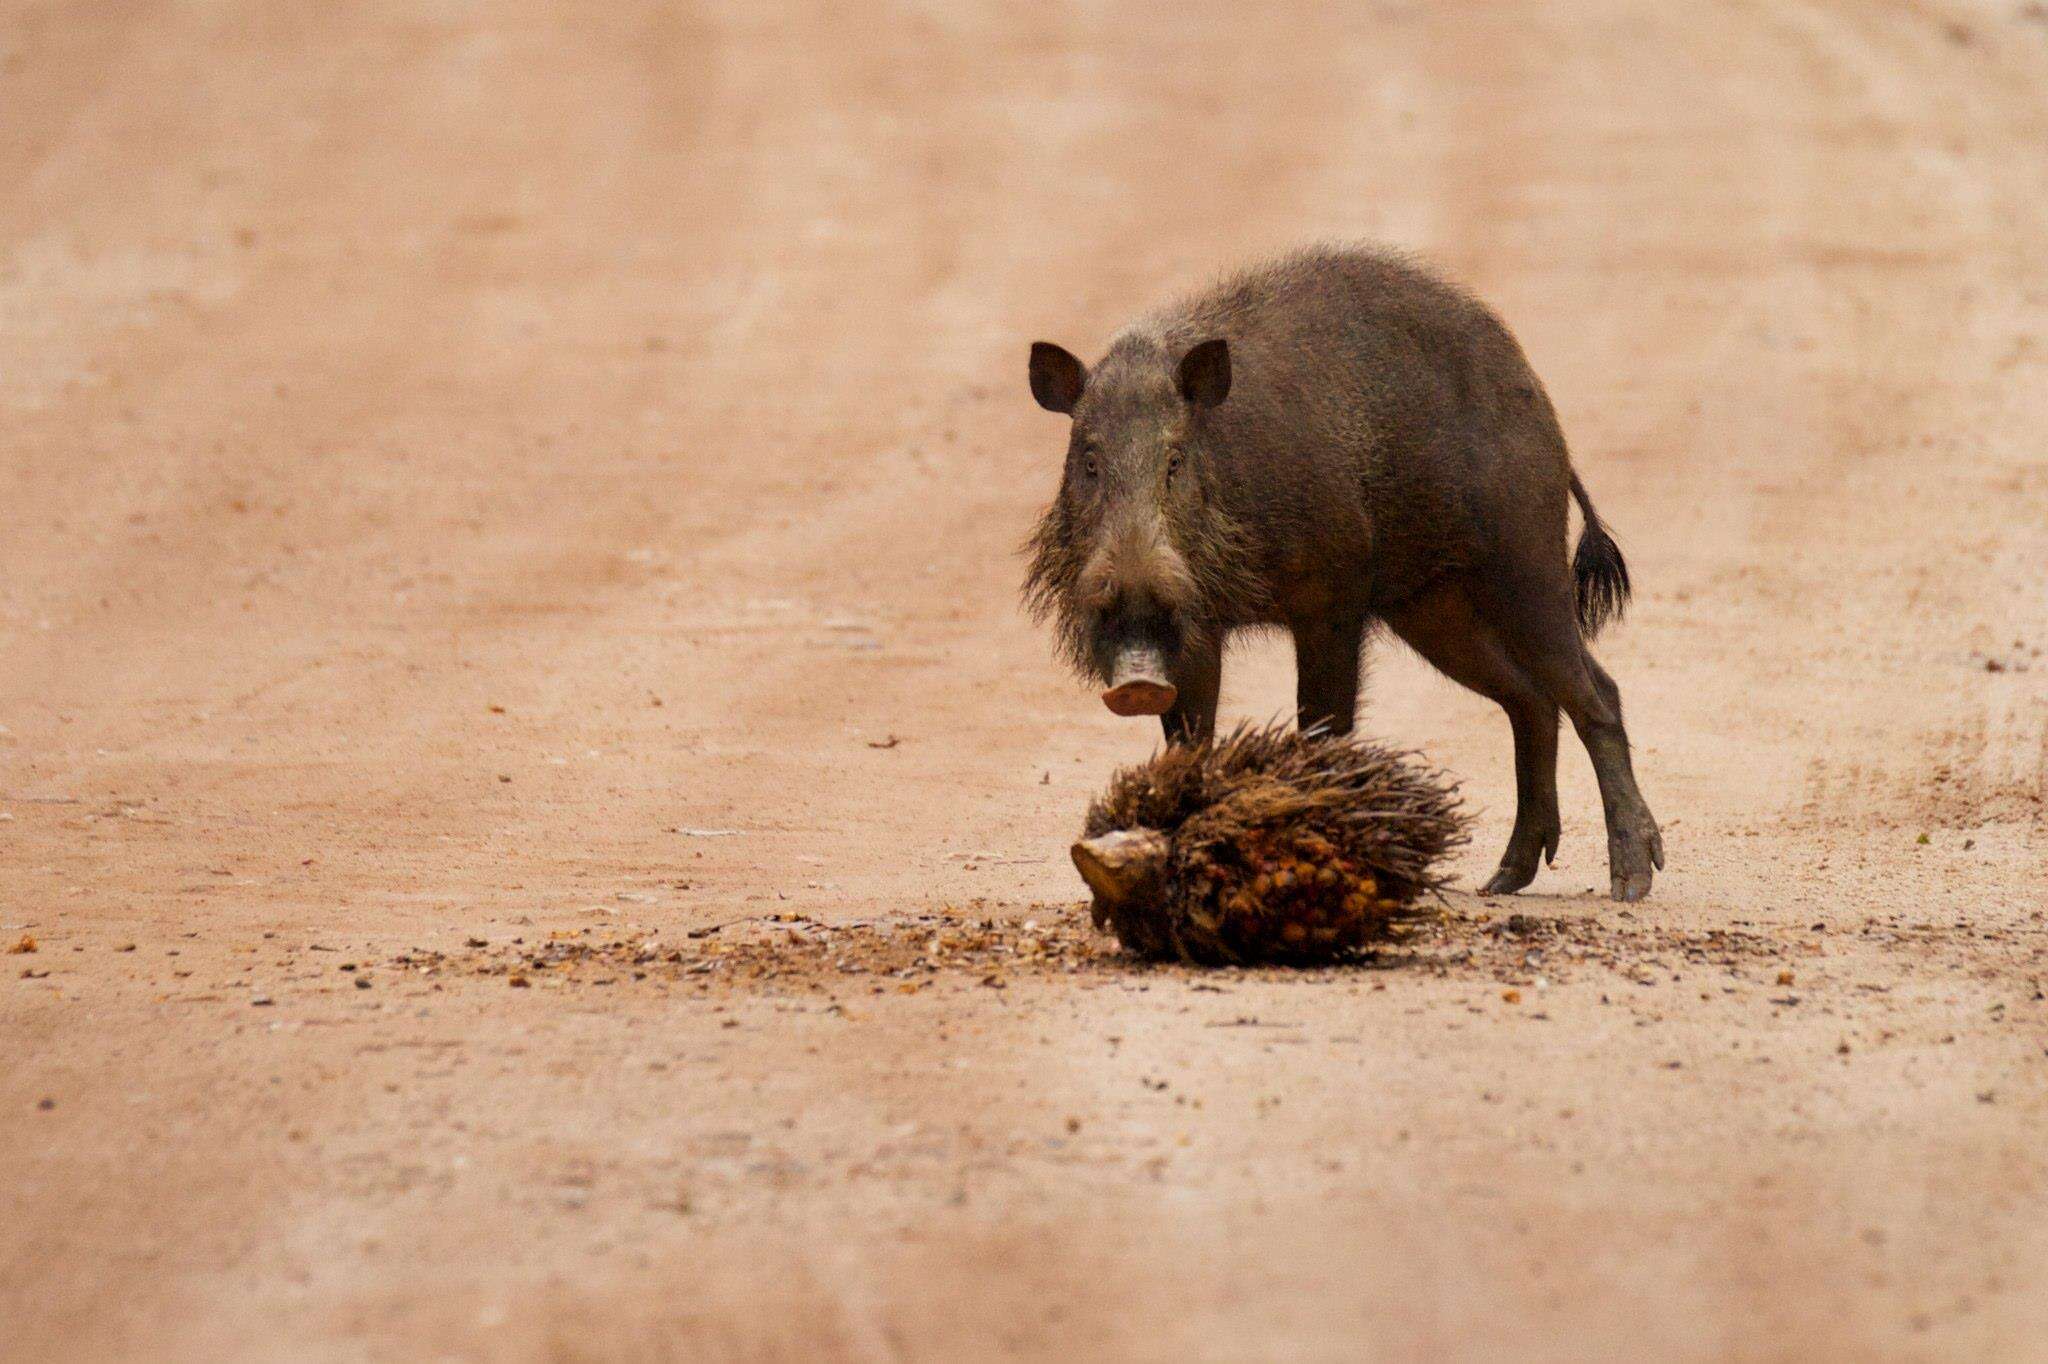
1326,666
1198,676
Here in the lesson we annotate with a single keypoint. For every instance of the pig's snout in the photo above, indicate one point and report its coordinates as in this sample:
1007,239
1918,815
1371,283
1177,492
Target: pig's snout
1136,585
1138,685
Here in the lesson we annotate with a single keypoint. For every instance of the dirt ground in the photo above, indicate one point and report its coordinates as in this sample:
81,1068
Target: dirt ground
542,825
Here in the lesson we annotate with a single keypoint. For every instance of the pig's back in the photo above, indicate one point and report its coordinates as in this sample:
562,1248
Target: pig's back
1358,345
1374,409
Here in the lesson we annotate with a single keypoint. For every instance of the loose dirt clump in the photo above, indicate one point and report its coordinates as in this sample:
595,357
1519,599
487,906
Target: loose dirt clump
993,945
1519,948
788,951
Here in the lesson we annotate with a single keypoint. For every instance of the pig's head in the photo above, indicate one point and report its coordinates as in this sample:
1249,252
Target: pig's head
1134,558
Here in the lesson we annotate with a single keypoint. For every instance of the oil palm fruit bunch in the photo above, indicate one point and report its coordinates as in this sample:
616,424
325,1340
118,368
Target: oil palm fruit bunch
1267,845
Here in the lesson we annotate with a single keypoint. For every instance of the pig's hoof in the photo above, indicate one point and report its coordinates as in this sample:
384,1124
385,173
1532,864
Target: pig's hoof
1533,842
1628,889
1631,856
1141,697
1508,879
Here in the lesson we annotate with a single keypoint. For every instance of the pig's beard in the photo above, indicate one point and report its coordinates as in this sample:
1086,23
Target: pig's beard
1213,588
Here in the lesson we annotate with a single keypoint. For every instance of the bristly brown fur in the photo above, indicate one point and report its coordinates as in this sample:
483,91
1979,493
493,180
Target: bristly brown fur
1373,807
1052,586
1220,556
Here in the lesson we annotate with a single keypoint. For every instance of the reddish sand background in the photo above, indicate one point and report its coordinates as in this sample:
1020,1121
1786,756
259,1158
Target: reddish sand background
451,451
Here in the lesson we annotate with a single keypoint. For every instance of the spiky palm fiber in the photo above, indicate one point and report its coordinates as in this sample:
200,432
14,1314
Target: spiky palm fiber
1283,847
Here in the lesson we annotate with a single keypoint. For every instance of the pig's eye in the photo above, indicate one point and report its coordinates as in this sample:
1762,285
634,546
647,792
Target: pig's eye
1173,464
1088,459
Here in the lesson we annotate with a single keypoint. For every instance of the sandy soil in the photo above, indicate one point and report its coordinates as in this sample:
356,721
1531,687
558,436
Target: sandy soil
495,495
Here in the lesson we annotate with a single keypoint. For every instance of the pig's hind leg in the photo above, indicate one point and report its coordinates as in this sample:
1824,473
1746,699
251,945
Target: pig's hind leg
1541,629
1445,628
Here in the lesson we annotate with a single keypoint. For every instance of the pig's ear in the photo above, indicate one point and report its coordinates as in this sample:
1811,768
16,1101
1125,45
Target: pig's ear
1205,373
1057,378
